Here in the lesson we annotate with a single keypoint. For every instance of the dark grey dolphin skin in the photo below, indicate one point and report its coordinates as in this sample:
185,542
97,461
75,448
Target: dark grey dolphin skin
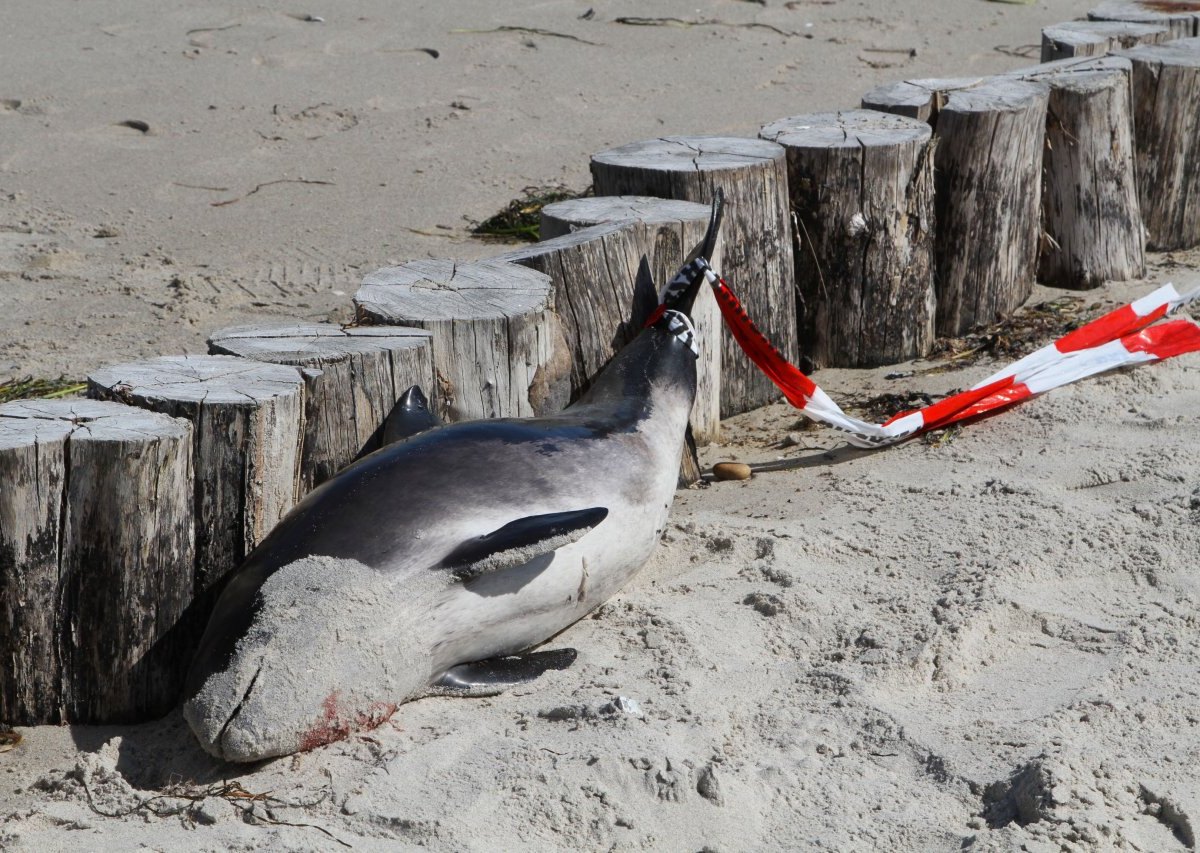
461,544
411,415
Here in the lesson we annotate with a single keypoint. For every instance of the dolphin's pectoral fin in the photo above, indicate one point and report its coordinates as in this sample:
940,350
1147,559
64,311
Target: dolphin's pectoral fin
520,541
492,676
410,415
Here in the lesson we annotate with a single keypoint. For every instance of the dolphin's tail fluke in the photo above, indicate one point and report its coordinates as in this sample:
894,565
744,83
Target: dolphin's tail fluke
681,291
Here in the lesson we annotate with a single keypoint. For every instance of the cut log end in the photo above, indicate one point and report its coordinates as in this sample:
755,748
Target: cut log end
248,417
688,154
1180,17
354,377
1096,38
498,346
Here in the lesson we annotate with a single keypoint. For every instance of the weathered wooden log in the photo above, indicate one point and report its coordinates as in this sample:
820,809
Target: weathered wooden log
354,377
919,99
861,186
97,561
498,346
593,276
1180,17
1166,104
757,258
1091,217
667,232
248,422
987,200
1096,38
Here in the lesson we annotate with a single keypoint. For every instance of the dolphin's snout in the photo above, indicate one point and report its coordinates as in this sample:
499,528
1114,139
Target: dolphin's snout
321,657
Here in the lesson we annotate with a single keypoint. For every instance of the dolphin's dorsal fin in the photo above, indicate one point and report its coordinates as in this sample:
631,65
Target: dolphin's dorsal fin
409,416
492,676
520,541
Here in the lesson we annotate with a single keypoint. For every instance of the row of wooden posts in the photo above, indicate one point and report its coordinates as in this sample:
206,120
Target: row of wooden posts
853,238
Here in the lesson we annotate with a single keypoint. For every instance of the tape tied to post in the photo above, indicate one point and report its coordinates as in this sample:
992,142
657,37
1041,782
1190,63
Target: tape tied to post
1128,336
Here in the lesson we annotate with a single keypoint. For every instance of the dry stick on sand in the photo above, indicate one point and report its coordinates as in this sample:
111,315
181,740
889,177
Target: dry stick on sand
270,184
231,792
635,21
533,31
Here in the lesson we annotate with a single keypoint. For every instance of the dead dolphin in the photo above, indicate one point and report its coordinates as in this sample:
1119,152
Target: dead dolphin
419,566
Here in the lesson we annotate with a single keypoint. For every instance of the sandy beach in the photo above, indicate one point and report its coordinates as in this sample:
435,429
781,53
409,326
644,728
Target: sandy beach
983,642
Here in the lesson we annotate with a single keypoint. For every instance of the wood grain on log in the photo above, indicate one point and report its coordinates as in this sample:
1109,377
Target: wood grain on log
498,346
354,377
1096,38
757,255
97,561
248,420
919,99
1090,212
593,274
668,231
861,185
1166,103
987,199
1182,18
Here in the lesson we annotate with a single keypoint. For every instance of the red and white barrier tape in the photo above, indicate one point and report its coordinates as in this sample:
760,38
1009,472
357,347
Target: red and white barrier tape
1120,338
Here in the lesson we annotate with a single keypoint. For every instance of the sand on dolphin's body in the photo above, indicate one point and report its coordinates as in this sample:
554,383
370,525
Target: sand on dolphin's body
985,644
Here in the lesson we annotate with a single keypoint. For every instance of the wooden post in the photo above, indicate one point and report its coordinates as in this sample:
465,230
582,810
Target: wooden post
1090,211
354,377
96,561
1166,103
986,196
667,232
861,185
1096,38
1180,17
919,99
498,347
593,278
987,200
248,420
757,258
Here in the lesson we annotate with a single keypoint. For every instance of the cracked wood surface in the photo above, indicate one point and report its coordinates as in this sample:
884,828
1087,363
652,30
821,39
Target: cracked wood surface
1166,103
1096,38
498,346
248,420
1091,215
353,378
861,187
97,561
